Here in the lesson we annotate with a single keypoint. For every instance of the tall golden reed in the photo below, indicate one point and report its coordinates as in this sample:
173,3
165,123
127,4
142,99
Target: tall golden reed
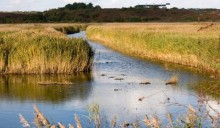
179,43
38,50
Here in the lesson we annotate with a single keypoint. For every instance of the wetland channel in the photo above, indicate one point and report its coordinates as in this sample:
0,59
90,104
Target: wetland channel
113,84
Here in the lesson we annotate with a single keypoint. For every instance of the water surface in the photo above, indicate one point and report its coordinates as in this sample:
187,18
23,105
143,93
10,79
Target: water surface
113,85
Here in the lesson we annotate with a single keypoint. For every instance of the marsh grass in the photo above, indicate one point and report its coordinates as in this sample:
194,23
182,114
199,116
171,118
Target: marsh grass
152,122
40,50
41,121
24,121
192,118
94,112
173,80
178,43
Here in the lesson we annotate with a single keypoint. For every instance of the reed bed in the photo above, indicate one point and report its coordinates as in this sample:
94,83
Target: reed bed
180,43
192,118
38,49
19,27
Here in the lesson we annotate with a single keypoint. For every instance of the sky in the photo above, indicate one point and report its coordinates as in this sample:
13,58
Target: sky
42,5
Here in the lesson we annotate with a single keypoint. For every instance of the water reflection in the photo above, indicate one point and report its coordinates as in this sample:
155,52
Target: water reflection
26,87
115,97
210,89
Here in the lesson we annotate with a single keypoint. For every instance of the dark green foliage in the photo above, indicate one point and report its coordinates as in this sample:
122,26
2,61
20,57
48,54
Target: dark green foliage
79,6
81,12
68,30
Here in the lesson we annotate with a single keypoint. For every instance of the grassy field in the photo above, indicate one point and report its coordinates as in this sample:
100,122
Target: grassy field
39,49
179,43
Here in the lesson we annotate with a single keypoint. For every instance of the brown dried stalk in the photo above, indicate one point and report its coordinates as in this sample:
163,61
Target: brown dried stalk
40,119
78,123
24,121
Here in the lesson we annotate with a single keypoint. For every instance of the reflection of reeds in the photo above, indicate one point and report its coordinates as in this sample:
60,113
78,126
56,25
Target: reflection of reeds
211,88
173,80
55,83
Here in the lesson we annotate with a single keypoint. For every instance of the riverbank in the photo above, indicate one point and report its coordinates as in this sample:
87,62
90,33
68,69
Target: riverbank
40,49
190,44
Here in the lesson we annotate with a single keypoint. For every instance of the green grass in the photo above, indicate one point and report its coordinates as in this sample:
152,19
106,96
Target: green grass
178,43
40,49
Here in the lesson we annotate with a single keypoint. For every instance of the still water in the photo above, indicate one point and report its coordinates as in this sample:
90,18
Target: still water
113,85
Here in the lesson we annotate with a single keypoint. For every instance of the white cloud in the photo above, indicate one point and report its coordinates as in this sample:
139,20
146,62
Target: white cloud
71,1
41,5
15,1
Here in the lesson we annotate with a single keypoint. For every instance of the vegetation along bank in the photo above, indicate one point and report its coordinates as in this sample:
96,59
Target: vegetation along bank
40,49
193,44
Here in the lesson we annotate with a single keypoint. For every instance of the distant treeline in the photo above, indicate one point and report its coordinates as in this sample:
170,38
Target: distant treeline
81,12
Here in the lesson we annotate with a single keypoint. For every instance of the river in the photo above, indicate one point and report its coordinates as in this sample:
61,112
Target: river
113,84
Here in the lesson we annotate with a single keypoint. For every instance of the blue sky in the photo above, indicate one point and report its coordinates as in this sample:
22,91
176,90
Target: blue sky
41,5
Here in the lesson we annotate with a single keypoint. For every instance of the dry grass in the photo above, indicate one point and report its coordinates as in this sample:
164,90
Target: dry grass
78,123
113,122
95,114
37,49
173,80
179,43
19,27
152,122
192,118
40,119
24,121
